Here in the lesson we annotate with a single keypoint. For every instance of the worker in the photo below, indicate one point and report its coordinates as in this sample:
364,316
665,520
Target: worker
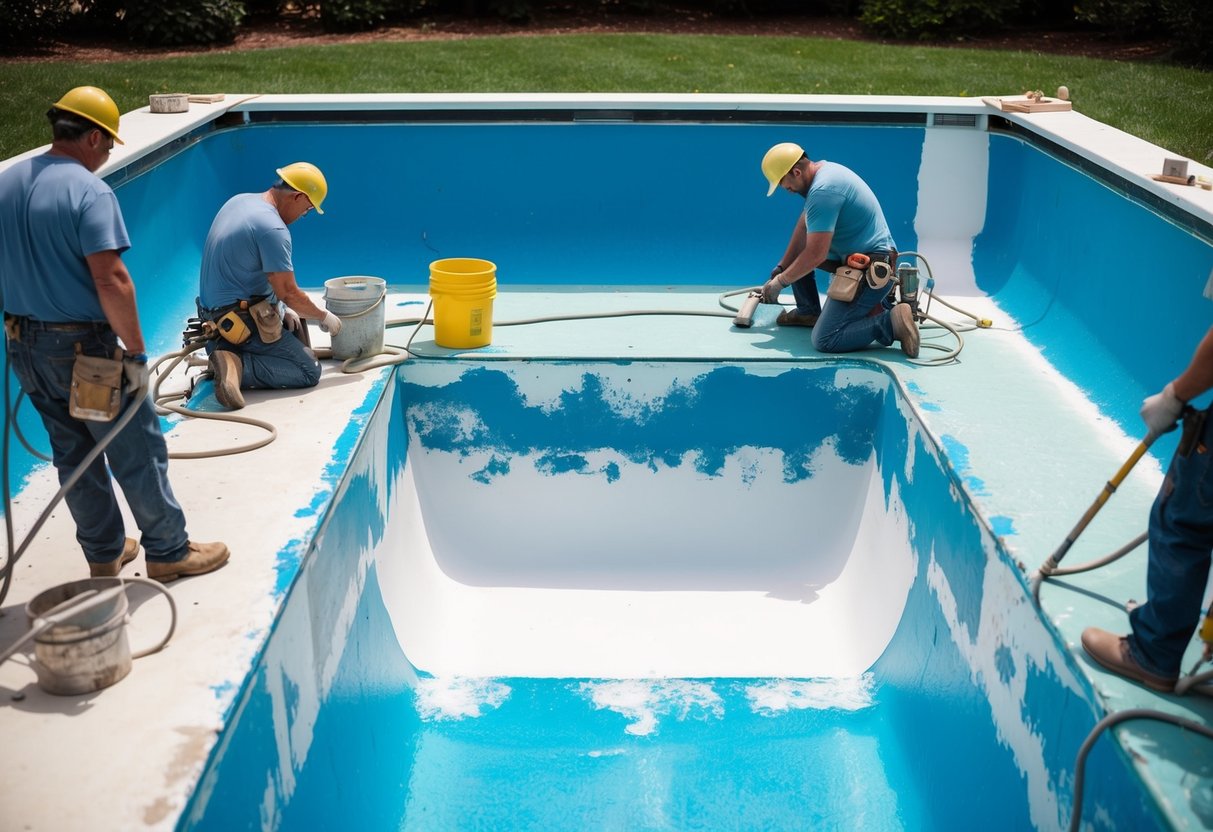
1180,535
247,288
841,217
69,302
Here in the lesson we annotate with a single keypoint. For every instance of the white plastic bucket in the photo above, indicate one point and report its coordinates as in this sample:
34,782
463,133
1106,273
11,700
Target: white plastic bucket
358,301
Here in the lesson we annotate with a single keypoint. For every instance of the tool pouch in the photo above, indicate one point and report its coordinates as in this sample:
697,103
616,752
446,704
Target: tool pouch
96,394
844,285
232,328
879,274
267,320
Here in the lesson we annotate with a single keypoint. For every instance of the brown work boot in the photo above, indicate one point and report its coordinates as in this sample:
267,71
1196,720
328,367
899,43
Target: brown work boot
1112,651
790,317
228,368
199,559
130,551
905,329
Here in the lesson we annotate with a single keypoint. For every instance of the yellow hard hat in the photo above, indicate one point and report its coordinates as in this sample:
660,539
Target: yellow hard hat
307,178
778,161
93,104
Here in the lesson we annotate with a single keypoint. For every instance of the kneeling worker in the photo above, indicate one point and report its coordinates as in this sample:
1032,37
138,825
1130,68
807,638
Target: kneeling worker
841,219
247,288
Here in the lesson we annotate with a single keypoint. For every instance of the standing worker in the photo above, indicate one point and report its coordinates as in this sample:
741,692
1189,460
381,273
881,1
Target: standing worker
247,287
1181,538
842,225
68,302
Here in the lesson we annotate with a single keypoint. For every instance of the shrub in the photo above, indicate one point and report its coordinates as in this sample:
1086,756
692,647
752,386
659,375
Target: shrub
29,22
1191,30
923,19
182,22
353,15
1125,19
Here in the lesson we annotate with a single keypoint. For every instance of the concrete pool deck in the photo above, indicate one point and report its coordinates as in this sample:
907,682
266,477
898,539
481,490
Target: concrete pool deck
1030,450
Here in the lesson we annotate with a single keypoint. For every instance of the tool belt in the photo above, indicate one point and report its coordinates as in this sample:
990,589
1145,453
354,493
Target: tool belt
96,393
875,268
235,322
1193,429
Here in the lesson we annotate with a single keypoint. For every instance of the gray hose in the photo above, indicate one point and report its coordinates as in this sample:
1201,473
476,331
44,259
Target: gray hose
1107,722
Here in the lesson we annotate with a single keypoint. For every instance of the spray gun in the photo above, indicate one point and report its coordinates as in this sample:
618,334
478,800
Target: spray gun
907,286
745,315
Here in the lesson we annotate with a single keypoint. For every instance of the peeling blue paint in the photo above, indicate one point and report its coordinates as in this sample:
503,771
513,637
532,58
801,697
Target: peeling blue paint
705,421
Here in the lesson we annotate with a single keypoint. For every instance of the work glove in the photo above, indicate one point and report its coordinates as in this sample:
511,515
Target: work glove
290,320
1161,411
771,290
134,367
331,324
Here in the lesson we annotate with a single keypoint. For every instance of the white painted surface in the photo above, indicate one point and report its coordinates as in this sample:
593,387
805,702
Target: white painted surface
950,217
547,577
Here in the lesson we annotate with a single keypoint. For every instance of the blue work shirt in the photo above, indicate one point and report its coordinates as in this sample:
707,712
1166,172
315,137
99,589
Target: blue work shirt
841,202
247,240
54,212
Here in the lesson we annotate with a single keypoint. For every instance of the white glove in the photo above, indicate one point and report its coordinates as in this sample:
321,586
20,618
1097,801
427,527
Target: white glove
1161,411
134,367
331,324
771,290
290,320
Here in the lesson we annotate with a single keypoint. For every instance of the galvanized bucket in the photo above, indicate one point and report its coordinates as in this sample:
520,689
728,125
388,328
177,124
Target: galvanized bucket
79,633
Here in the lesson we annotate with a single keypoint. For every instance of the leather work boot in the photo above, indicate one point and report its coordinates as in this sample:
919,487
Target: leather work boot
1112,652
130,551
790,317
199,559
905,329
227,367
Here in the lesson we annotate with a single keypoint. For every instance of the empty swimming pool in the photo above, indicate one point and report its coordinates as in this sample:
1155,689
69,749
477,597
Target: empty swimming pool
657,572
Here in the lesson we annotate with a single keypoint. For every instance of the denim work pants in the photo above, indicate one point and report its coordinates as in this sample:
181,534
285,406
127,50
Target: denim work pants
1181,545
42,360
284,364
846,327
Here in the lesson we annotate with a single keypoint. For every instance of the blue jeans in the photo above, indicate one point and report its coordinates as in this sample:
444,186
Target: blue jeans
284,364
42,360
1181,546
843,326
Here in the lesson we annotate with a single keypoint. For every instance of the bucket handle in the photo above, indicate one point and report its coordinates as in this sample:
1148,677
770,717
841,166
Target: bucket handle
369,309
88,599
172,624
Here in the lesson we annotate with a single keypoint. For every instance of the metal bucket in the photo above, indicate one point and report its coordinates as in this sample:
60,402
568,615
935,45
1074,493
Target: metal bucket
79,632
359,302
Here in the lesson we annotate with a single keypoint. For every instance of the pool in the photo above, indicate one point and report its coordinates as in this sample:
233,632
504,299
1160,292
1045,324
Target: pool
656,573
562,641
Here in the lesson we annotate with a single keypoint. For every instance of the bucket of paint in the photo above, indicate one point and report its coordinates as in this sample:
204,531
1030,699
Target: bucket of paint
463,289
79,632
358,301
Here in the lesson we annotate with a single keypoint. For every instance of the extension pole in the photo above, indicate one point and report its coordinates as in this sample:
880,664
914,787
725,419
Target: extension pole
1109,488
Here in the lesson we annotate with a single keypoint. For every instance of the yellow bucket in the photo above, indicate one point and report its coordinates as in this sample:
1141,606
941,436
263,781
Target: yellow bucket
463,289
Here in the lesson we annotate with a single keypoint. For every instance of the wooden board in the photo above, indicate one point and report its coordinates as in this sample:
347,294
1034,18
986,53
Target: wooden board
1024,104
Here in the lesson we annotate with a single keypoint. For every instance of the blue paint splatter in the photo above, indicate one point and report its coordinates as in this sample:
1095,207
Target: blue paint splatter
1004,661
1002,525
496,467
706,420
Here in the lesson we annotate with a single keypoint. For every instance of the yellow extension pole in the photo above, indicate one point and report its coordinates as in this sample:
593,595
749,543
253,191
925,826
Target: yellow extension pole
1109,488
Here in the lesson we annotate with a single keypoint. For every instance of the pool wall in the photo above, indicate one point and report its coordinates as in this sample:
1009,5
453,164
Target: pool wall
331,733
1084,260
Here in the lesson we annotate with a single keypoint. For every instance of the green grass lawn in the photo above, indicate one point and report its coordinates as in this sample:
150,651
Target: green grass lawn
1168,105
